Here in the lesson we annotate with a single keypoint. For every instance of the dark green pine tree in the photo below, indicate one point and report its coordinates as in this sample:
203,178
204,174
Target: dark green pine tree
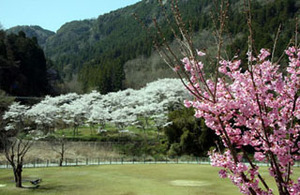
23,69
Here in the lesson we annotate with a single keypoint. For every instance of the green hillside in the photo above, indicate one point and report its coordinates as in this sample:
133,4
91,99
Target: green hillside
113,51
33,31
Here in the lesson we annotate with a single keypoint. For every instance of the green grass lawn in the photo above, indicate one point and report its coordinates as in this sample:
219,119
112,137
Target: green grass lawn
144,179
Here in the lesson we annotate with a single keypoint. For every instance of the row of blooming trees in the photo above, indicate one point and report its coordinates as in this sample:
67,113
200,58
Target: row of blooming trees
123,108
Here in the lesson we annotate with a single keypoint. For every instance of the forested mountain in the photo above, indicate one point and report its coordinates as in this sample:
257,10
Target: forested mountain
33,31
114,52
99,49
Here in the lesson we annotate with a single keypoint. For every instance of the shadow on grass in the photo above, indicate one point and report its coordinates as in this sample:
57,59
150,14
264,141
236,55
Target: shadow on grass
45,188
31,187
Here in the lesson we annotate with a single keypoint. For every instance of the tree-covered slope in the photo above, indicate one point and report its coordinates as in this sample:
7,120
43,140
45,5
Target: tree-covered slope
104,51
32,31
98,49
23,68
114,52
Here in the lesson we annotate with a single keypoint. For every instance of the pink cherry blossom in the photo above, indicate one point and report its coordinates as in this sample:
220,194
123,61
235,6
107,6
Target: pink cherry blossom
223,173
259,156
200,53
258,108
263,54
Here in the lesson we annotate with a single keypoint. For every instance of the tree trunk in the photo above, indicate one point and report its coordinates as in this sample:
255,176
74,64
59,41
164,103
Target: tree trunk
15,173
18,176
15,151
147,123
158,129
61,160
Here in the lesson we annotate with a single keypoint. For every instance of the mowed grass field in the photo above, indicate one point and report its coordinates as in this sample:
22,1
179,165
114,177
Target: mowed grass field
138,179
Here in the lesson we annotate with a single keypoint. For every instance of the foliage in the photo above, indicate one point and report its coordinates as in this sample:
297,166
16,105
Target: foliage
266,20
22,66
5,101
188,135
32,31
144,147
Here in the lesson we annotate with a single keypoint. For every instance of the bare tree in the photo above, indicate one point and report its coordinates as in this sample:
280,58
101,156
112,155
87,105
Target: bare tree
15,150
59,145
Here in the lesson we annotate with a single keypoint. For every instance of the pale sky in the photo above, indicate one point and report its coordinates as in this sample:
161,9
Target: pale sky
52,14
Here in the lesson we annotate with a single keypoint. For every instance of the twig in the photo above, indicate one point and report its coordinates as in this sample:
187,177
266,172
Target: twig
275,43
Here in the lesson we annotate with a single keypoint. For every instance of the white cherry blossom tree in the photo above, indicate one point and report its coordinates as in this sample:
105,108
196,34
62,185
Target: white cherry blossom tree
15,146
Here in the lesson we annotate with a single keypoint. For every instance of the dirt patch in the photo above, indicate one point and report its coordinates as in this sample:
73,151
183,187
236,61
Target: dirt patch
189,183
